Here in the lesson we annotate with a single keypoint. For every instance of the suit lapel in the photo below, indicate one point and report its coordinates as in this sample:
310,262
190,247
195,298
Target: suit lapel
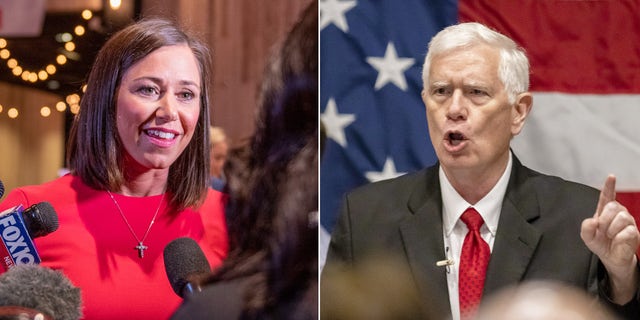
421,234
515,244
516,239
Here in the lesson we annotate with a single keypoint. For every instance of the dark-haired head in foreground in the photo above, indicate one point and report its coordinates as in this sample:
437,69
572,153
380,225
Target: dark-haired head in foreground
271,271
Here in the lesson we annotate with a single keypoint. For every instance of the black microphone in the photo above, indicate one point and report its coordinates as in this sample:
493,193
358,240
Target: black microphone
18,227
42,289
183,262
1,189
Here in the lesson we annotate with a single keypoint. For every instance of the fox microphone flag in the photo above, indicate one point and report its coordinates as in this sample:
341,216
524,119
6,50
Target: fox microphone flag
17,228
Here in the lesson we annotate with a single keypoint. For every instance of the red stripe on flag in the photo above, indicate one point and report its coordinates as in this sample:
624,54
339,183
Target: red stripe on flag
631,200
573,46
576,47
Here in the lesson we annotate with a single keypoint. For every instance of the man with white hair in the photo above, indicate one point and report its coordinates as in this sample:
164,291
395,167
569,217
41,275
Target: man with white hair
479,220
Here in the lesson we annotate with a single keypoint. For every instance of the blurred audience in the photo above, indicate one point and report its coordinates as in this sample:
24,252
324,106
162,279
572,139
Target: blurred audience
543,300
271,271
218,156
376,288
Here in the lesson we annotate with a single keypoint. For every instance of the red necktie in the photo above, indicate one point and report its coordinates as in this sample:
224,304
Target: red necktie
473,264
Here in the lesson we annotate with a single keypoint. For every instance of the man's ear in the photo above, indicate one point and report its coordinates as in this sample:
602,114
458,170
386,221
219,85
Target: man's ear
520,111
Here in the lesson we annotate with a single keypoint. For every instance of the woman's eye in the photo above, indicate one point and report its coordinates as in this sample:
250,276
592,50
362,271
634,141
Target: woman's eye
148,91
186,95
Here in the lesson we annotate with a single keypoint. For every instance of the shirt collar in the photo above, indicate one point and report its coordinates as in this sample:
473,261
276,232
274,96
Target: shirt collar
453,205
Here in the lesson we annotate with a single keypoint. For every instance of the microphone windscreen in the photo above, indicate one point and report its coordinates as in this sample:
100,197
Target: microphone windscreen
43,289
184,258
1,189
40,219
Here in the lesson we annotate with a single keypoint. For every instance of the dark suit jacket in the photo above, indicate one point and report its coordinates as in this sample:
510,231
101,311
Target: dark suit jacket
225,300
538,235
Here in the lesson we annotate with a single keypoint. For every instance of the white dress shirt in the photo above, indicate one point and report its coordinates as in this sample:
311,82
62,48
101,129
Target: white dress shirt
454,230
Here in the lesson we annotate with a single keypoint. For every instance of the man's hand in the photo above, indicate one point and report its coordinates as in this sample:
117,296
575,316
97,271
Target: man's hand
612,235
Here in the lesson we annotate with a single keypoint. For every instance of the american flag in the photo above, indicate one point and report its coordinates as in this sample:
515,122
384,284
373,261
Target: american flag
585,76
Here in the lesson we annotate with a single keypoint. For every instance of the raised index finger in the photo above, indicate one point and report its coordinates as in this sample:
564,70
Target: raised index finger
607,194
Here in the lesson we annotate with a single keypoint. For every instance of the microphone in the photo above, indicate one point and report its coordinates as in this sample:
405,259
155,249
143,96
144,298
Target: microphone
446,262
1,189
183,262
41,289
21,313
18,226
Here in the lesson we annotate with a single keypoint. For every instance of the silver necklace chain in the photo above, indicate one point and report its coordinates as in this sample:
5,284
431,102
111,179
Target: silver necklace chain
140,247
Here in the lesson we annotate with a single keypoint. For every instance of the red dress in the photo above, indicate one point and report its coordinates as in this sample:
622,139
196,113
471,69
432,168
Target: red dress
96,250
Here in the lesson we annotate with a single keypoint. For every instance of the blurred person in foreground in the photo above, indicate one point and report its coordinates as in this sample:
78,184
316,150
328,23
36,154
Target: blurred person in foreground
376,288
219,151
271,271
138,153
479,211
543,300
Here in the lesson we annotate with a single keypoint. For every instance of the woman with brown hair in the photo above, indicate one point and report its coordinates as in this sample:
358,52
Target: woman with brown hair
139,159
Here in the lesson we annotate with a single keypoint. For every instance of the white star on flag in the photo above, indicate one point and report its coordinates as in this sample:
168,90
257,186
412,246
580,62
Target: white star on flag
391,68
335,122
388,172
333,11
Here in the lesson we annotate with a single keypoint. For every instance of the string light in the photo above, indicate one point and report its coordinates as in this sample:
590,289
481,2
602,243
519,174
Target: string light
79,30
34,76
12,63
69,46
87,14
73,99
74,108
51,69
65,38
61,106
12,113
61,59
45,111
5,54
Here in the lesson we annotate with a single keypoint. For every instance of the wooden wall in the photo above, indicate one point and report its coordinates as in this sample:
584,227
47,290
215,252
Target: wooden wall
31,146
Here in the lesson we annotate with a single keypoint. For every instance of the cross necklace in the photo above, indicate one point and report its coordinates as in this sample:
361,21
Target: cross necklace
140,247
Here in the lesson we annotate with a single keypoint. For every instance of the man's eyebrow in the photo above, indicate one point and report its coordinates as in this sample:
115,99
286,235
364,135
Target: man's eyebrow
439,84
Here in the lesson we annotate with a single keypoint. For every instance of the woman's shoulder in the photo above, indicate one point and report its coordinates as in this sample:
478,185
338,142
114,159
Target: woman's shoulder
214,201
60,188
